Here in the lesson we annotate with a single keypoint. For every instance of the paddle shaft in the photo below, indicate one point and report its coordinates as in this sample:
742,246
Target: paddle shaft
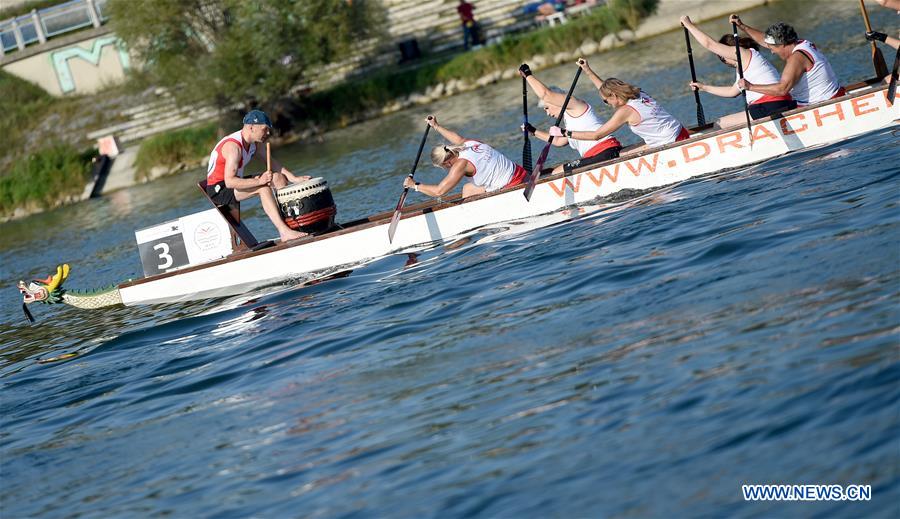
395,219
740,69
526,146
877,57
701,118
543,157
892,87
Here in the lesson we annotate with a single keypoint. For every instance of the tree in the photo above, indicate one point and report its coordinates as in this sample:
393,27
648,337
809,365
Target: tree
242,51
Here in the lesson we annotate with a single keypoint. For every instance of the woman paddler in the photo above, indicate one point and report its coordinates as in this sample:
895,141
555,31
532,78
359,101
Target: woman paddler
579,116
643,115
756,70
807,75
489,169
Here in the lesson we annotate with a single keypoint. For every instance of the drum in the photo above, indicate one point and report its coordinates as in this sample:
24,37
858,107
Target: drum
307,206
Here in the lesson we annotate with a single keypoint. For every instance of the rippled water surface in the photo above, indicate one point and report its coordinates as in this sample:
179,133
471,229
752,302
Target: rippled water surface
641,357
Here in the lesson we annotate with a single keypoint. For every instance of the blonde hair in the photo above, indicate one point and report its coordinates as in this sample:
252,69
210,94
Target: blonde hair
441,154
618,88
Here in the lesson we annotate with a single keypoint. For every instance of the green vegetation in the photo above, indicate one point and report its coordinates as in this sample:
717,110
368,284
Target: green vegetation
171,149
22,105
241,52
43,178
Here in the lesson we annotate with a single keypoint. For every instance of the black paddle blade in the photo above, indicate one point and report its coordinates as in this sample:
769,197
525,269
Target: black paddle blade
701,118
536,172
27,312
526,153
892,87
395,219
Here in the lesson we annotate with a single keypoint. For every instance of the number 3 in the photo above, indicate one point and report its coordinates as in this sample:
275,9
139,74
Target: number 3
163,249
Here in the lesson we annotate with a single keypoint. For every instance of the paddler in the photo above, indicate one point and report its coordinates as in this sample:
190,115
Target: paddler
225,182
579,116
488,169
807,75
757,69
634,107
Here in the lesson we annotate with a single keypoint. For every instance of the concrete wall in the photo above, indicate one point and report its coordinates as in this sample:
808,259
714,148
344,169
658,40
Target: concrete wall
82,65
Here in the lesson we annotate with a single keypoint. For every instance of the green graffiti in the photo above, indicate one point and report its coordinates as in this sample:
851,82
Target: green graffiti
60,59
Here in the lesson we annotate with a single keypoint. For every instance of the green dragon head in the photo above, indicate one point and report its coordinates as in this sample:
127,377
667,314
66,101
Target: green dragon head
48,290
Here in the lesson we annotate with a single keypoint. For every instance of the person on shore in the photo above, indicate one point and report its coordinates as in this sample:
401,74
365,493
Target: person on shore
757,69
579,116
634,107
489,169
807,75
225,182
469,25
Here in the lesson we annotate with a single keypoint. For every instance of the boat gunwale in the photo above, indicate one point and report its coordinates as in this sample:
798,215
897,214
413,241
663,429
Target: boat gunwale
855,90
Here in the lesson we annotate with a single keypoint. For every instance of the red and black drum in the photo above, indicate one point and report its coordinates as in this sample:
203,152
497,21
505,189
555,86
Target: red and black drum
307,206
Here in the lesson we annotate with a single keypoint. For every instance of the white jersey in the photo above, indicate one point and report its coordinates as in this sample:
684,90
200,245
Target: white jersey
215,170
819,83
759,72
492,169
586,122
657,126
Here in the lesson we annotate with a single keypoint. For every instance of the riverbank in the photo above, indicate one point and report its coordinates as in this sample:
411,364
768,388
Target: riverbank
373,97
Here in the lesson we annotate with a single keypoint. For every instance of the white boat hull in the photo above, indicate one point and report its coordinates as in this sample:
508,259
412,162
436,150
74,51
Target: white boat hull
853,115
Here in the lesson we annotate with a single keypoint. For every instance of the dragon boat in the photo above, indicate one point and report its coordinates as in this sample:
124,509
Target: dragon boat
864,109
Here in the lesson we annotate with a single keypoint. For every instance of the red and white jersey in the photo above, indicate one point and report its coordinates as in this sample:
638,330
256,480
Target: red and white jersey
819,83
657,126
586,122
492,169
215,170
759,71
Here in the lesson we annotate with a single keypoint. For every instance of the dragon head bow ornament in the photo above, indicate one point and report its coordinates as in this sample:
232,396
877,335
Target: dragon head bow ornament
49,290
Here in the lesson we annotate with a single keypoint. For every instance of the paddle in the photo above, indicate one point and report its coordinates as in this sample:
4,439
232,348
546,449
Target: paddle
543,156
740,69
526,147
701,119
892,87
881,69
396,218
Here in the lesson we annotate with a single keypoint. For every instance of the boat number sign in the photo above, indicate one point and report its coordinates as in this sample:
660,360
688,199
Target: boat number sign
189,240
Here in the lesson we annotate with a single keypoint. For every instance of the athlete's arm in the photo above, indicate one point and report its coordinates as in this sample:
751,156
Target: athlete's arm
721,91
595,79
621,117
757,35
456,173
232,153
793,70
719,49
454,138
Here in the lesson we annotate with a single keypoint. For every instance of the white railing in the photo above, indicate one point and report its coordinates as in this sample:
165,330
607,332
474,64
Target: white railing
38,25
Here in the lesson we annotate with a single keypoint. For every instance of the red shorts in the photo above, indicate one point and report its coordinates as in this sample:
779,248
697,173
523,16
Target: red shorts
683,135
519,176
841,92
602,146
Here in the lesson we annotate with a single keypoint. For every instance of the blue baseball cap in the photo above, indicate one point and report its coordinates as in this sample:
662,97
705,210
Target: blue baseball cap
257,117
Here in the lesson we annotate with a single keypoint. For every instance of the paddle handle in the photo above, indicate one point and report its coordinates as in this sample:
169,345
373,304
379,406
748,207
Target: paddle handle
268,157
395,218
701,118
877,57
526,146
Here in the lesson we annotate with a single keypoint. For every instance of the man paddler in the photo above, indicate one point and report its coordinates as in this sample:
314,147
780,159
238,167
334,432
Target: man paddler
225,182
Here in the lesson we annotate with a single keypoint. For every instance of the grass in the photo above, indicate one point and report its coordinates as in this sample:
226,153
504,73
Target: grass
171,149
44,178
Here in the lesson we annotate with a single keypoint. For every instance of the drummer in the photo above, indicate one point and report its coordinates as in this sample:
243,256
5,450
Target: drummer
225,182
756,69
807,76
633,108
489,169
579,115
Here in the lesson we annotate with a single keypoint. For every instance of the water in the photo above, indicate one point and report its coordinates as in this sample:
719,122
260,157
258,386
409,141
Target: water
640,358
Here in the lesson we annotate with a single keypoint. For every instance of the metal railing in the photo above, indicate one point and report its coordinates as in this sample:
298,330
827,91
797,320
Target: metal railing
39,25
